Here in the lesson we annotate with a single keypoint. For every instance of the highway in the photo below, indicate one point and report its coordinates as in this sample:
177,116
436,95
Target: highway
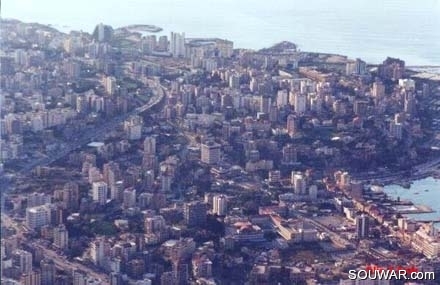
97,132
83,139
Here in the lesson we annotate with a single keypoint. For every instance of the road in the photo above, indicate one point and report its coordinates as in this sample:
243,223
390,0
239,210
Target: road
84,138
97,132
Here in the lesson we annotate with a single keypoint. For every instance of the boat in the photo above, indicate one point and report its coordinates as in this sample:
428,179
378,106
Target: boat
416,193
426,190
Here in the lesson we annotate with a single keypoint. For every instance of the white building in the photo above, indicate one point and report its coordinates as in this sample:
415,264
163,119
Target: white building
39,216
220,205
299,183
177,44
97,252
99,192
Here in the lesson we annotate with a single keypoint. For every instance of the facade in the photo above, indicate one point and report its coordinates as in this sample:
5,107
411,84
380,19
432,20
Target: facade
99,192
39,216
60,237
299,183
195,213
220,206
177,44
210,152
362,226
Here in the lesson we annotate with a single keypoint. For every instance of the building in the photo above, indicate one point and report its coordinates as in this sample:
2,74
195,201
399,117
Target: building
177,44
202,267
60,237
378,90
396,130
356,67
37,199
47,272
292,125
289,154
129,198
31,278
39,216
154,225
274,176
133,127
426,242
116,191
97,252
195,213
299,183
24,260
362,226
150,145
300,101
219,205
210,152
99,192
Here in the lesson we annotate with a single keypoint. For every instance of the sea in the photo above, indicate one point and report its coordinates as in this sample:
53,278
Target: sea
368,29
421,192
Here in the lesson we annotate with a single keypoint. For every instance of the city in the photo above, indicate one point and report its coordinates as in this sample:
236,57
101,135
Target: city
133,158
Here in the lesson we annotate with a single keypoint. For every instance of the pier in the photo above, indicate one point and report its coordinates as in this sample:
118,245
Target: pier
412,209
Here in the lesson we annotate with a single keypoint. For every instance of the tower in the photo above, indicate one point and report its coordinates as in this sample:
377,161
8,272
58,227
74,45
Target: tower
177,44
219,206
362,226
99,192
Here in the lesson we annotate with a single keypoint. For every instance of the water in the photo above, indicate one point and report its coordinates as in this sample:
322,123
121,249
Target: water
369,29
430,198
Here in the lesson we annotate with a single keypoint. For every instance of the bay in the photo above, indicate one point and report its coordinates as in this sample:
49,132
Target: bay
417,194
369,29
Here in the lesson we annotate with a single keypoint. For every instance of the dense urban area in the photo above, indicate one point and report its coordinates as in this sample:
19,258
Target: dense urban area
130,157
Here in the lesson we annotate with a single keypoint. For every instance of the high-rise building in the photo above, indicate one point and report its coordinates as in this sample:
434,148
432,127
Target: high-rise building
133,127
24,260
274,176
162,44
195,213
39,216
99,192
356,67
116,278
299,183
289,154
219,205
97,252
129,198
31,278
154,225
60,237
150,145
177,44
47,272
265,103
168,278
378,90
362,226
210,152
116,191
396,130
300,101
292,125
